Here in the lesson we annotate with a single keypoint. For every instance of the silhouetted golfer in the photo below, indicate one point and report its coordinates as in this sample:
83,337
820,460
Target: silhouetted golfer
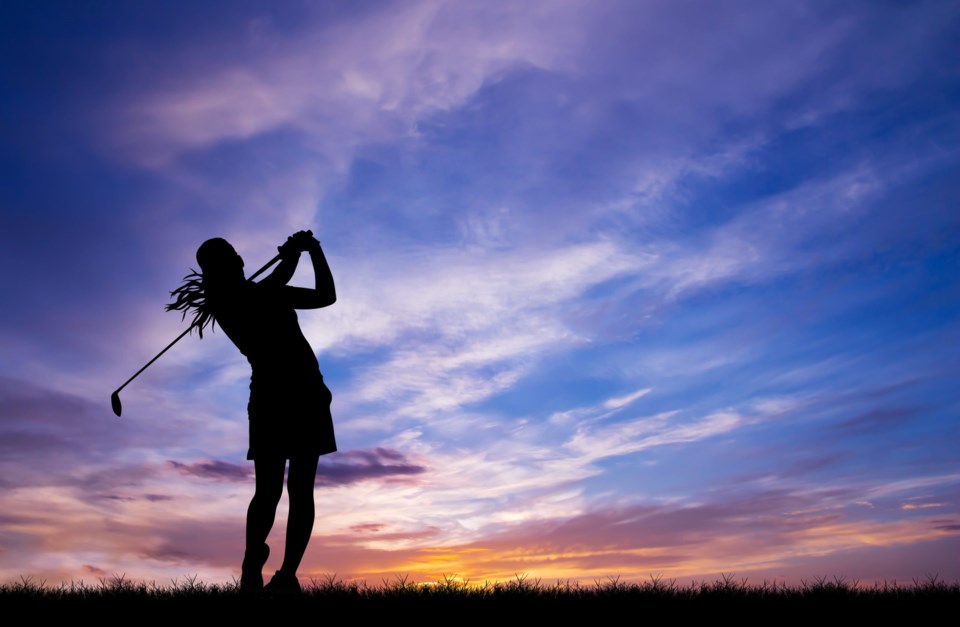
289,407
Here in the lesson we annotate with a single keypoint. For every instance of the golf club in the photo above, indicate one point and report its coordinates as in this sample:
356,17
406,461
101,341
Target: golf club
115,397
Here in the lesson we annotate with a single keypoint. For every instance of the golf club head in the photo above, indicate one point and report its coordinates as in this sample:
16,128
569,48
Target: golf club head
115,402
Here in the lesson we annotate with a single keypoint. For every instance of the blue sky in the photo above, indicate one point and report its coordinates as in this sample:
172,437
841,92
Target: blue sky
623,288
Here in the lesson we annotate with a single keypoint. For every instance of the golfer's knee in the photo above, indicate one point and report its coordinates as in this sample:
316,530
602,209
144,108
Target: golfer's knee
268,495
300,494
302,477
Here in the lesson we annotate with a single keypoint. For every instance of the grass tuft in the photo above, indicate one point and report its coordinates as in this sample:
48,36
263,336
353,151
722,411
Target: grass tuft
561,599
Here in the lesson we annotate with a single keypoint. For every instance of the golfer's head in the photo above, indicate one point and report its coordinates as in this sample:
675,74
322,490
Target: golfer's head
218,260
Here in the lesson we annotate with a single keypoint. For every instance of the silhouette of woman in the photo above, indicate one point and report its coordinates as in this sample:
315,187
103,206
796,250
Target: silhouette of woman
289,408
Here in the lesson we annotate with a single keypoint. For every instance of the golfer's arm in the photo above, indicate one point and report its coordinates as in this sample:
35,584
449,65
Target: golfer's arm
323,294
323,278
282,274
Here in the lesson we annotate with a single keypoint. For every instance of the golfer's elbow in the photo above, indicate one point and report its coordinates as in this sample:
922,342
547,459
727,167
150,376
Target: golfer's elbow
328,294
325,298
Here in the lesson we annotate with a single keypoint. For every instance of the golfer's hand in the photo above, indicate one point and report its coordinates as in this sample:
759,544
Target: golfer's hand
304,240
289,248
298,242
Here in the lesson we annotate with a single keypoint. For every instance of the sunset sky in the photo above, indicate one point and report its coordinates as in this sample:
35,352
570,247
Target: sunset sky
625,288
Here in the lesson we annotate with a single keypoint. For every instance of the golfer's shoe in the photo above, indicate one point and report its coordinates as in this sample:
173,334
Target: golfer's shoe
251,571
283,584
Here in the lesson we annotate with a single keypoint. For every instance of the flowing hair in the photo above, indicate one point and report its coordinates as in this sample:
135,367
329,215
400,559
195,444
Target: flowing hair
193,297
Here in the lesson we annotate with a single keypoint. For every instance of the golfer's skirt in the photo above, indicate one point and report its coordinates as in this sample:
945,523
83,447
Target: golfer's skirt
290,416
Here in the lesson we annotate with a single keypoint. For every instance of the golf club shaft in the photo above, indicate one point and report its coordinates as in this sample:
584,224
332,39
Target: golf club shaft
180,337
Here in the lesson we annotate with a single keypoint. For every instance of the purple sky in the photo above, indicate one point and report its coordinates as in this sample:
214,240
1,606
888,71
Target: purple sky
623,287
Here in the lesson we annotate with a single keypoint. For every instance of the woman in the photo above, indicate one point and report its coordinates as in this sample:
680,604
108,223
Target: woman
289,407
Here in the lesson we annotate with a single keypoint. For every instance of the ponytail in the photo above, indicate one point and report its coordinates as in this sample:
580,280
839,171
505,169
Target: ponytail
193,297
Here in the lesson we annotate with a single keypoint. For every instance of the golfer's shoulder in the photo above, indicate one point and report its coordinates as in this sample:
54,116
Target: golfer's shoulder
270,301
237,303
265,293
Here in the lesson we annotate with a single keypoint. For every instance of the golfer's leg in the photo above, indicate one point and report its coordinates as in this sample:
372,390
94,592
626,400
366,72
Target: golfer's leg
263,506
300,480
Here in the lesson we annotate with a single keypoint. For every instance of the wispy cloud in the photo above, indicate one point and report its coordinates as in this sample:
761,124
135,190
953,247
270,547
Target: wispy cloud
215,470
342,469
353,466
345,82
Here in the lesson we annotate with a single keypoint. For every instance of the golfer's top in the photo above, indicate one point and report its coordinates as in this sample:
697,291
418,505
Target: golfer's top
265,328
289,405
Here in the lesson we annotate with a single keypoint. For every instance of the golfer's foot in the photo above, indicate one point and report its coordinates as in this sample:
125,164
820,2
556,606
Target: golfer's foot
283,584
251,572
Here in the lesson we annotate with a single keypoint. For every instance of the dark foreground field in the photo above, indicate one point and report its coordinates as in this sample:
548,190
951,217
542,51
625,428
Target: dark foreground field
822,600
